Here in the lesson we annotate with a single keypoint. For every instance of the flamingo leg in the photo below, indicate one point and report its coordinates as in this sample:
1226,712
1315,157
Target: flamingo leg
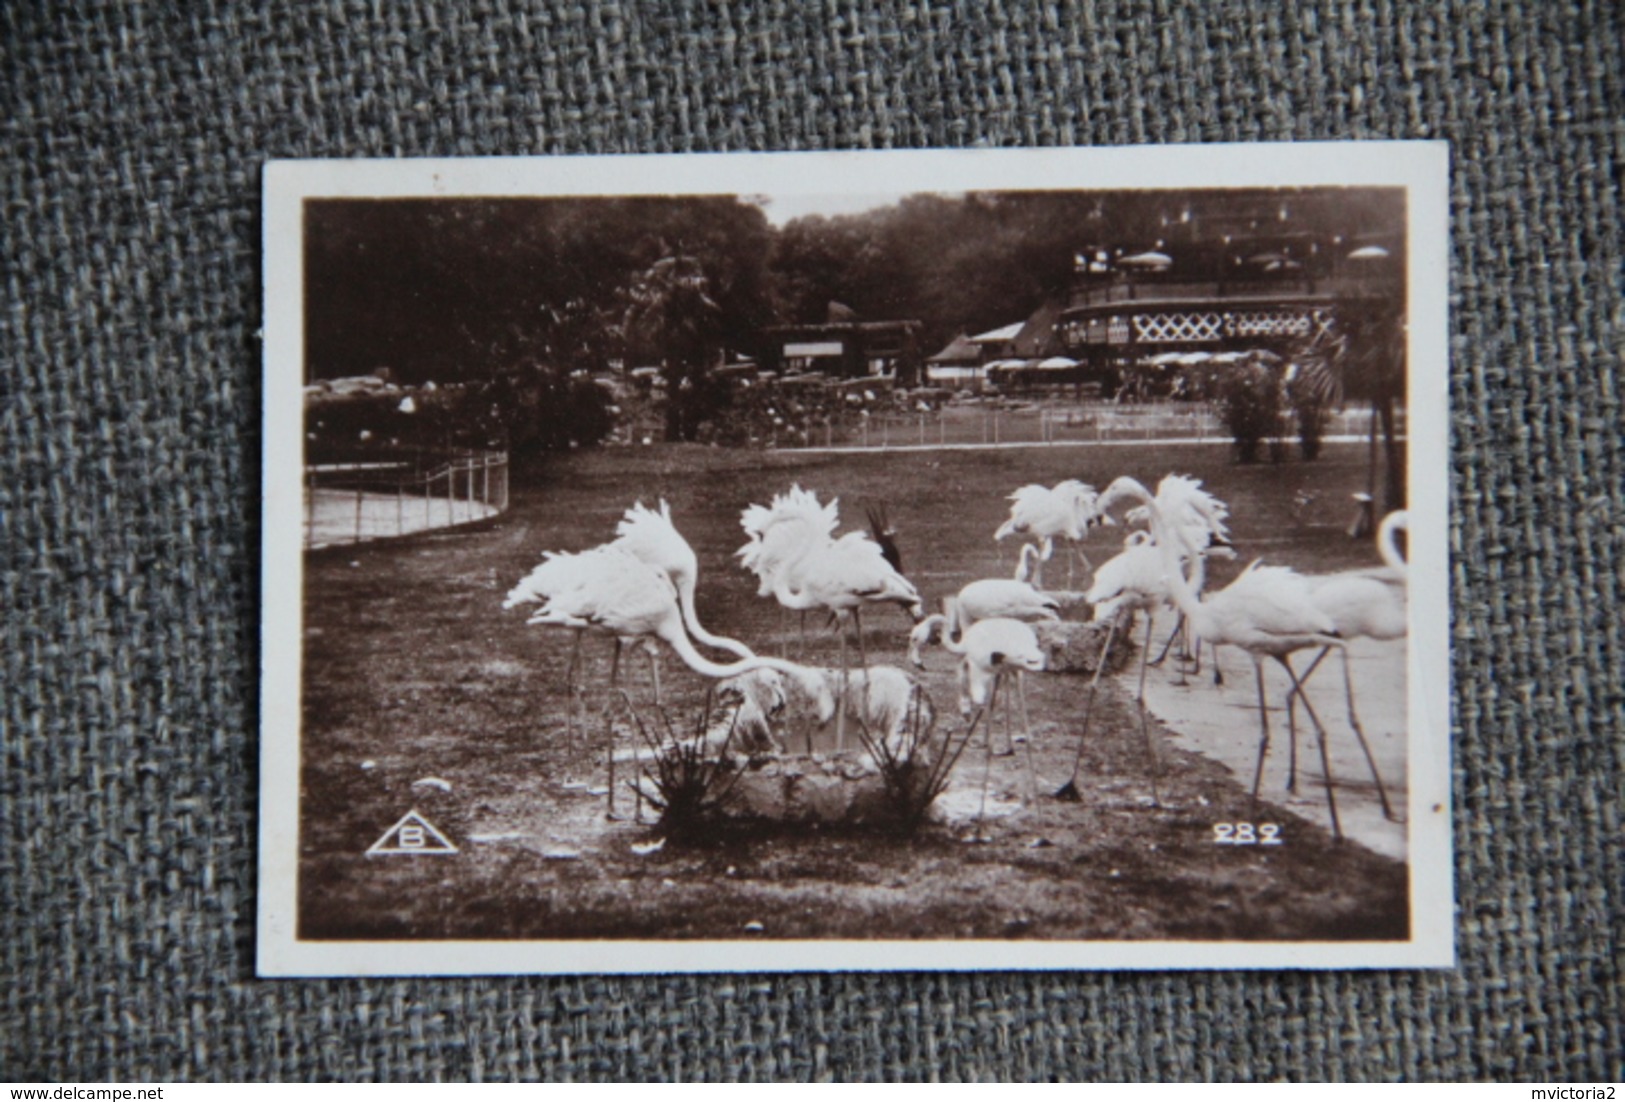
571,692
1218,674
1030,788
1168,643
1145,727
1069,790
1320,735
609,752
654,672
987,739
863,659
840,699
1354,722
1291,705
1264,727
1009,729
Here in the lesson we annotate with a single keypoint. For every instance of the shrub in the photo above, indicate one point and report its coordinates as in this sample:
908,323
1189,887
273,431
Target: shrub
1250,406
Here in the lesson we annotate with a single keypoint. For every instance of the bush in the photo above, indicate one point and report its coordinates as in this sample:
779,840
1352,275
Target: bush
1250,404
1312,391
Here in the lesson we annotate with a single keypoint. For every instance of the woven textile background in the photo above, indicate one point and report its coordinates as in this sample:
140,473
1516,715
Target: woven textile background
133,143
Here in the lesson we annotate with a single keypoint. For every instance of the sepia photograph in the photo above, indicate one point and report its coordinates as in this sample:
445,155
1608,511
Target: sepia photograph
999,559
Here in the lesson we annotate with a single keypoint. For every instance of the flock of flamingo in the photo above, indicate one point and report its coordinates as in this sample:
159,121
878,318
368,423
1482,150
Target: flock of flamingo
640,588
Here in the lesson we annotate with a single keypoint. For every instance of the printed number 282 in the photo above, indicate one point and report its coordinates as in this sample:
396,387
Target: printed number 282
1246,834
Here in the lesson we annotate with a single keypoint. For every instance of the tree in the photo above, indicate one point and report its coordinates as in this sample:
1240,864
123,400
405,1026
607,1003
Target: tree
670,313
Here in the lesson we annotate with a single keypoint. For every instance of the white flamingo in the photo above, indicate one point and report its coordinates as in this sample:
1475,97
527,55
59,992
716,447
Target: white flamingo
1065,511
1268,612
780,534
1369,603
989,651
610,590
652,537
987,599
843,576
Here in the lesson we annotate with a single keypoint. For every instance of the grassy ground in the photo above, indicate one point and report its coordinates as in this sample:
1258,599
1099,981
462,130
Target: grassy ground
412,671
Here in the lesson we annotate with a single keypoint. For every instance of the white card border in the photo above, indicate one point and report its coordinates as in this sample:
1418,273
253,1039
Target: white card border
1420,167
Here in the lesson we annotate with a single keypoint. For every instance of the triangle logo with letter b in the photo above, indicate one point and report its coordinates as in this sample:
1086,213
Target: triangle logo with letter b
412,835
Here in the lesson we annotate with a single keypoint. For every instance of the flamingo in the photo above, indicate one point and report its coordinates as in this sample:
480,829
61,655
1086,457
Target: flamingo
652,537
989,651
1268,612
609,589
1064,511
781,533
1369,603
842,576
1198,518
987,599
1132,581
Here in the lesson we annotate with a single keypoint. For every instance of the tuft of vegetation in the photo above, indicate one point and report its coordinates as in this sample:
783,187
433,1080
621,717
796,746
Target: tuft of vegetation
693,778
1250,405
914,766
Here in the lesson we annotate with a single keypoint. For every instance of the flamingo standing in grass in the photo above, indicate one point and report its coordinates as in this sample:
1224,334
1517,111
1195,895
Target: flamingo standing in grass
612,591
1268,612
989,651
780,534
988,599
1135,581
652,537
1065,511
843,576
1370,603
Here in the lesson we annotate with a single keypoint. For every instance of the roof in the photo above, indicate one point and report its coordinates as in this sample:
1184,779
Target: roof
1003,333
959,350
1037,337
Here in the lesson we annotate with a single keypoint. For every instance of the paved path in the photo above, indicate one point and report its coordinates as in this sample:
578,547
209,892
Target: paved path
1221,722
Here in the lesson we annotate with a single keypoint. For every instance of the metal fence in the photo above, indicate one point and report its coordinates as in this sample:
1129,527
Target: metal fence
367,496
990,424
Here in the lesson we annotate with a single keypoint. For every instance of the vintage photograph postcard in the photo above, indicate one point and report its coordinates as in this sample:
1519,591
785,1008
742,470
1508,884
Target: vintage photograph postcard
1028,559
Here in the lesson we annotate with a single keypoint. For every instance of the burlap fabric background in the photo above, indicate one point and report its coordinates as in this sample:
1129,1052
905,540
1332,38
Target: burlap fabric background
134,139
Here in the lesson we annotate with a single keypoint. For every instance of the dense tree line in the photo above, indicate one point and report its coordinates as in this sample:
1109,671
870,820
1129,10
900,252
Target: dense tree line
511,298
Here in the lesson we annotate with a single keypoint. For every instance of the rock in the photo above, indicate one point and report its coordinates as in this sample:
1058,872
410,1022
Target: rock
1074,647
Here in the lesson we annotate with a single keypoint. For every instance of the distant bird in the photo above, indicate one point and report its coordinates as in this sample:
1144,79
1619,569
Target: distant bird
652,537
612,591
1370,603
1268,612
987,599
1065,512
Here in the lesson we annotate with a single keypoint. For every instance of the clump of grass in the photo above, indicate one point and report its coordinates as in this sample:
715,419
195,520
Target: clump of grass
693,778
914,767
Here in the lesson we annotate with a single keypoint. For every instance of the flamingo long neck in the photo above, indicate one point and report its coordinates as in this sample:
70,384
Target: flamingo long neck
1198,575
1388,548
950,627
790,597
685,594
671,630
1179,586
1024,568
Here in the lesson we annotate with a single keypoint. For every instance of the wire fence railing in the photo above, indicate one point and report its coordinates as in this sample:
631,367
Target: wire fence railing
989,424
367,496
